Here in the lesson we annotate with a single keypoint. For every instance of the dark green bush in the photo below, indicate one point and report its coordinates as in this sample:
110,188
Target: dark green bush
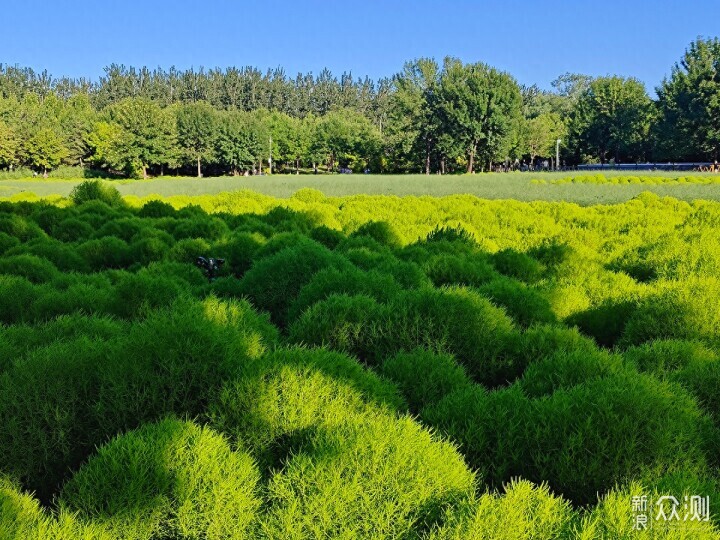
425,318
351,282
581,440
450,269
286,220
62,255
605,322
124,228
147,250
663,357
380,231
188,250
63,400
424,377
207,228
32,268
450,234
568,369
275,281
17,296
330,238
517,265
105,252
21,228
137,293
96,190
239,251
156,209
7,242
524,304
172,479
72,230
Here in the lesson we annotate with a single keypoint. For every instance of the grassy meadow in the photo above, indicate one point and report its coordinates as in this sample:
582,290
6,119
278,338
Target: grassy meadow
473,357
523,186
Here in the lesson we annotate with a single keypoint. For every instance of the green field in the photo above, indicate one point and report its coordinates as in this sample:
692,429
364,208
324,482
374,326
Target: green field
519,186
363,366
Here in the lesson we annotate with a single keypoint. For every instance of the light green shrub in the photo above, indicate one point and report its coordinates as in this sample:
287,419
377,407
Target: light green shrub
171,478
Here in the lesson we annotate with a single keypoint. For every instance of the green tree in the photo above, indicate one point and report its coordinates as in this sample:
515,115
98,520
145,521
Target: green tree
9,146
689,104
197,129
147,133
412,126
612,117
479,108
238,143
45,150
541,134
76,120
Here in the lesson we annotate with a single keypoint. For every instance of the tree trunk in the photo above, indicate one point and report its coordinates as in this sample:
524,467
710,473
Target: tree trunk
471,161
144,169
427,157
198,167
442,166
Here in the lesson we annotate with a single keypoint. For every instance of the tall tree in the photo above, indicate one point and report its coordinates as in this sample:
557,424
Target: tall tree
612,118
9,146
479,107
689,103
412,127
196,128
148,133
45,150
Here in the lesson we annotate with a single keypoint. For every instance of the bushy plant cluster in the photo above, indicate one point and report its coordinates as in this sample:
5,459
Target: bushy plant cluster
360,367
622,180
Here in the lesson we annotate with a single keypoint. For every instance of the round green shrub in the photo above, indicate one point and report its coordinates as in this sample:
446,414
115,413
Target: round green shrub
567,369
7,242
17,295
64,400
663,357
582,440
517,265
147,250
426,318
137,293
524,304
524,511
450,269
21,228
156,209
340,462
686,311
380,231
330,238
207,228
73,230
350,281
275,281
105,252
606,321
62,255
239,251
124,229
78,297
173,479
286,220
424,377
450,234
96,190
188,250
32,268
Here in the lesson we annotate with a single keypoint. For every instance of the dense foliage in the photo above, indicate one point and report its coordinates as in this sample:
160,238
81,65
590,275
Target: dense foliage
429,117
362,367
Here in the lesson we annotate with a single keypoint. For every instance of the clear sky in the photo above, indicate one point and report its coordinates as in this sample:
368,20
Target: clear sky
534,40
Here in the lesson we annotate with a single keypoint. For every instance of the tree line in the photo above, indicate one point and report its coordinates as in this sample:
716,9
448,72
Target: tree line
432,117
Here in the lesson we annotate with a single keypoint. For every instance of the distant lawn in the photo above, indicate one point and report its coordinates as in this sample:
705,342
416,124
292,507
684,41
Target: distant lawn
519,186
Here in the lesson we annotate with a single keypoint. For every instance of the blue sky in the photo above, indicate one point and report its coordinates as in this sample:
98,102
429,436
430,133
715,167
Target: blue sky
534,40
